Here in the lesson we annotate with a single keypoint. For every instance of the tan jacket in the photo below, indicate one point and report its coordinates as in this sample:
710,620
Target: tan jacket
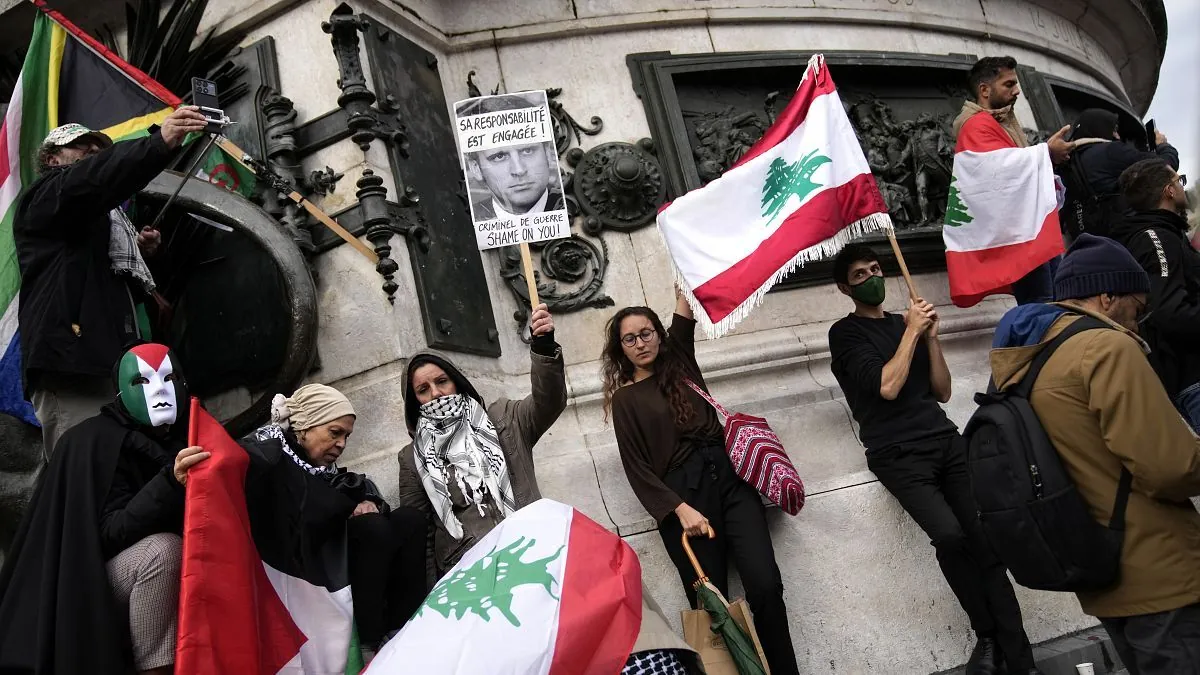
519,425
1103,408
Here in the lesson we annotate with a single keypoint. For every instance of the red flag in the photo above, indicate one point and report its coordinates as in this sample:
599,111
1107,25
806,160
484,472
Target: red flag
230,618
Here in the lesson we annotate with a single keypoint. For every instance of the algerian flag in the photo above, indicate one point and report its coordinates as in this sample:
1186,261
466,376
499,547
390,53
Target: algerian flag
1001,218
547,592
221,169
801,193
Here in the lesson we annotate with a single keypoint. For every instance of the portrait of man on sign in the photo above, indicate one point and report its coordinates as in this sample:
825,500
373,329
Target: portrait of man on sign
511,171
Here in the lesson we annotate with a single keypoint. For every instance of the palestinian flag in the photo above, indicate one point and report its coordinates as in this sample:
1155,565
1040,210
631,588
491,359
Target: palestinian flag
547,592
67,77
800,193
237,613
1001,214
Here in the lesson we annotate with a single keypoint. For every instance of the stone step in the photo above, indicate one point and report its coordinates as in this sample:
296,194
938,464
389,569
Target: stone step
1061,655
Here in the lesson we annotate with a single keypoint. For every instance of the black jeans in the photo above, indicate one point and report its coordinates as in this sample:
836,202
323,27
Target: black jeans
387,570
1166,643
707,483
929,478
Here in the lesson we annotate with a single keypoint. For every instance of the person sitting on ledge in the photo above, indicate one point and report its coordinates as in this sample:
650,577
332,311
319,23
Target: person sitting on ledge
297,453
91,583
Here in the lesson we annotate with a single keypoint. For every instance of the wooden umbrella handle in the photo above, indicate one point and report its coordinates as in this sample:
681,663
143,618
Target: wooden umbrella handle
687,548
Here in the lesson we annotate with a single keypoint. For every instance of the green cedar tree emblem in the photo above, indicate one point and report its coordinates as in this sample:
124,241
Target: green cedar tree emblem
489,583
785,180
957,213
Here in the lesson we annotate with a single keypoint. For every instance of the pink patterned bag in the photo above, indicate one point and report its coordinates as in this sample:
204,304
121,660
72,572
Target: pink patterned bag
758,456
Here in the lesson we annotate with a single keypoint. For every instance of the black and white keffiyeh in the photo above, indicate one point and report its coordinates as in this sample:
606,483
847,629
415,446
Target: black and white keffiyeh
123,251
654,662
276,432
455,431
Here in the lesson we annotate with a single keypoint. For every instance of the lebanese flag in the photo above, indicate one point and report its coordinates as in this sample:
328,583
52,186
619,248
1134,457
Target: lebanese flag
1001,214
800,193
547,592
238,614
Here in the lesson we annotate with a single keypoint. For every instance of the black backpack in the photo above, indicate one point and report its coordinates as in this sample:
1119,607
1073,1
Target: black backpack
1086,210
1031,512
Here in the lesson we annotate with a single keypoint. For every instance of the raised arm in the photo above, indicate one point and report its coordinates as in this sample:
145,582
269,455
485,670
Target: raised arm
536,413
894,373
103,181
939,372
682,308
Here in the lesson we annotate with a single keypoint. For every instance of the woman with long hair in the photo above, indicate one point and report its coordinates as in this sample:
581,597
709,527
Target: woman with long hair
673,450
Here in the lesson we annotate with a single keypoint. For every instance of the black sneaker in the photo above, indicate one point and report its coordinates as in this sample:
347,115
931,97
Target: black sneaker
984,658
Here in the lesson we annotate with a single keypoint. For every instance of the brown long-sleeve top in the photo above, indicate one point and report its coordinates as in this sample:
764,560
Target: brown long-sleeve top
649,440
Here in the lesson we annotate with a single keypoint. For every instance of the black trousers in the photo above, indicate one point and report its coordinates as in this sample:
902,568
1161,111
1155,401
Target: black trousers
707,483
387,570
929,478
1166,643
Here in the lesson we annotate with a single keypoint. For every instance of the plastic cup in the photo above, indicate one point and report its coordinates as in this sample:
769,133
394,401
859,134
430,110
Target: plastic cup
1086,669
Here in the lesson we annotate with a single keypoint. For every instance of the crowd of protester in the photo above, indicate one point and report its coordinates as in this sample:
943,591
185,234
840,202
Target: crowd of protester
1119,400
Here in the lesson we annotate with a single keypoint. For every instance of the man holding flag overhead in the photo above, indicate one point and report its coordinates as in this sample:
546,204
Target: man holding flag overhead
1001,228
83,277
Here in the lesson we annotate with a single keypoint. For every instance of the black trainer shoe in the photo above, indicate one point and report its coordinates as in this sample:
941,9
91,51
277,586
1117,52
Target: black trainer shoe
984,658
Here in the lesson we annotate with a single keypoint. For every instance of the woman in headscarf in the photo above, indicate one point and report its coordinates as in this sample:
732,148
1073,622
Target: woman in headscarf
471,464
1093,201
91,582
386,556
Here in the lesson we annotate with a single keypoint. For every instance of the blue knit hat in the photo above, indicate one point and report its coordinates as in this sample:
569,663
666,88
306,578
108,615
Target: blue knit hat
1098,265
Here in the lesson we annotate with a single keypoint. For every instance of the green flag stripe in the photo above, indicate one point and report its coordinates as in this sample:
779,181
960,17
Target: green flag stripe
35,96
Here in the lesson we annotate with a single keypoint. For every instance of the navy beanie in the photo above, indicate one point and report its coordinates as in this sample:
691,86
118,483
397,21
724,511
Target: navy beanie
1098,265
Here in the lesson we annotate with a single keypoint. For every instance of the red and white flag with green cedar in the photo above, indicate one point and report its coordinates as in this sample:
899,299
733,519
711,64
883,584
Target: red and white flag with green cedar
799,194
1001,216
547,592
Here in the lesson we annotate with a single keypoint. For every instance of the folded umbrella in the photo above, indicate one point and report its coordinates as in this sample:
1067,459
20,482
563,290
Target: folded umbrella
740,644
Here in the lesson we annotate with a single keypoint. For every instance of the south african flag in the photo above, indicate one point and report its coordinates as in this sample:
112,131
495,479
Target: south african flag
68,77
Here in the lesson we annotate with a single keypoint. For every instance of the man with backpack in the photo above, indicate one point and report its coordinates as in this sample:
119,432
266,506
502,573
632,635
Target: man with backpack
1130,462
894,376
1156,233
1094,203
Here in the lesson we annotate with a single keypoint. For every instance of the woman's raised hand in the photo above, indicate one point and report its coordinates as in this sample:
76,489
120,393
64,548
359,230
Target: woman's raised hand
186,459
541,322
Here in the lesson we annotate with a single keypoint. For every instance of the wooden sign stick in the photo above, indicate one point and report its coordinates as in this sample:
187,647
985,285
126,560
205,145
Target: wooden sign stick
912,289
527,264
315,211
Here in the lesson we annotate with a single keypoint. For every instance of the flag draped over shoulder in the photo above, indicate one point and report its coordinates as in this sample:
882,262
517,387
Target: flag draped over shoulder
67,77
800,193
1001,214
547,592
238,613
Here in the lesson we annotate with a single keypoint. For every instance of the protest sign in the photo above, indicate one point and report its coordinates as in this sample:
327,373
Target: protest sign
511,167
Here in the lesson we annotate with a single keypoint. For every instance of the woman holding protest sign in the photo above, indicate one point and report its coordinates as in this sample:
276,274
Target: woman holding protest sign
471,464
673,450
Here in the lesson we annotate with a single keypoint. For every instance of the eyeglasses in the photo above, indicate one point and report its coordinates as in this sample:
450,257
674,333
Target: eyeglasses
1142,311
1182,180
646,336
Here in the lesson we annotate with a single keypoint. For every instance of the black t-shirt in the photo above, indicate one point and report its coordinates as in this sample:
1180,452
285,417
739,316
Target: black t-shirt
860,348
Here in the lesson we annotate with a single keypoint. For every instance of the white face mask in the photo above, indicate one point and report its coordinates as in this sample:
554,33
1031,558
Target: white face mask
149,386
